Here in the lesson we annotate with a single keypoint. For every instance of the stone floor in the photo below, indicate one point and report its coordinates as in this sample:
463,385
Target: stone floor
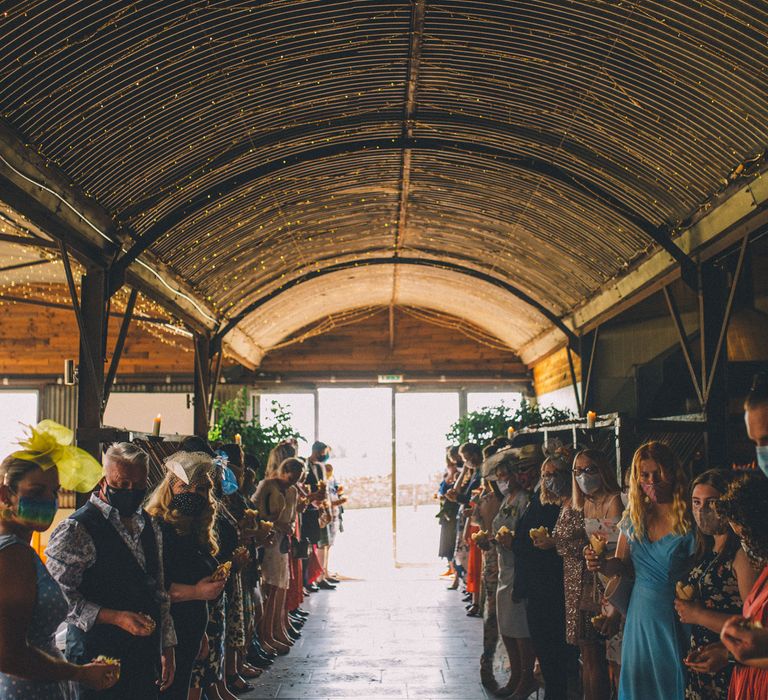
405,636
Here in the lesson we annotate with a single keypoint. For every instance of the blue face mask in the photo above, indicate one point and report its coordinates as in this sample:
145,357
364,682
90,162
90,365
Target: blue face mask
762,458
228,482
325,458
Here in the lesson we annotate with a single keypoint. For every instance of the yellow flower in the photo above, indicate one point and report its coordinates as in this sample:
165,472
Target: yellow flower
50,444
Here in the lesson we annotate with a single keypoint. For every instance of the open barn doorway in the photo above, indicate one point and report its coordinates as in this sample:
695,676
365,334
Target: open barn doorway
387,450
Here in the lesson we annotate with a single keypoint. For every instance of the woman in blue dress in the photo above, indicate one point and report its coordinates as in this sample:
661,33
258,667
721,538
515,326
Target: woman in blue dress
655,544
31,604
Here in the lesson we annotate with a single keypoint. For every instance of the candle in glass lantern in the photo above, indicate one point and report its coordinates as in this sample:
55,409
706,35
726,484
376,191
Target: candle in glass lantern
591,418
510,432
156,425
238,439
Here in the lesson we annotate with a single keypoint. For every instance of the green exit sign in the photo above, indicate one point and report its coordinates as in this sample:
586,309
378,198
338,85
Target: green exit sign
390,379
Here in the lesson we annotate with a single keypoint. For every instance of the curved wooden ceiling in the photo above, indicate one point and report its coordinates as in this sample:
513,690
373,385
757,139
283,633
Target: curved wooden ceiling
547,144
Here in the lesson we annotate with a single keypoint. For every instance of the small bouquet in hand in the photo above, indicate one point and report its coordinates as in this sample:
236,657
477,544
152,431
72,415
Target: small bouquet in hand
598,543
684,591
222,571
109,661
537,532
482,540
750,624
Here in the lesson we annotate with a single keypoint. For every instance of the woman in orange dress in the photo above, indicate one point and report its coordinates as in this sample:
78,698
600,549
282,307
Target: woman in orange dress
745,507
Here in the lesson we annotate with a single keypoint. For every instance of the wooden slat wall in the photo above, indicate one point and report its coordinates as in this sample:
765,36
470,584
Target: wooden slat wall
420,346
36,340
552,372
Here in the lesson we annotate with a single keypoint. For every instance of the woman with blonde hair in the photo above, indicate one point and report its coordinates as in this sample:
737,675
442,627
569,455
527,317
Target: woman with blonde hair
277,455
276,499
656,542
183,505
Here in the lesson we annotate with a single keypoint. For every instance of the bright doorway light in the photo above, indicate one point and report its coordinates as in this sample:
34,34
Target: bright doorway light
17,409
423,419
357,424
302,409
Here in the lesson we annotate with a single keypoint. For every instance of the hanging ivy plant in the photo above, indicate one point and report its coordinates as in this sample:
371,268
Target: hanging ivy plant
483,425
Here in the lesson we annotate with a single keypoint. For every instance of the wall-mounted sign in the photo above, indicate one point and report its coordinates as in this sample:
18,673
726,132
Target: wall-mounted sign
390,379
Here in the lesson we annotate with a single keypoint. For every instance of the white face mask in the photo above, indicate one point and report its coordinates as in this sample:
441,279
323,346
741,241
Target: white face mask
503,486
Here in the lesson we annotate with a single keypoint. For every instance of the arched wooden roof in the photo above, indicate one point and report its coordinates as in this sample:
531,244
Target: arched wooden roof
551,145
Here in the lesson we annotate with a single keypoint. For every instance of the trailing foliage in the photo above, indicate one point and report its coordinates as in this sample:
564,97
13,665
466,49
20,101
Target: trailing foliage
258,439
483,425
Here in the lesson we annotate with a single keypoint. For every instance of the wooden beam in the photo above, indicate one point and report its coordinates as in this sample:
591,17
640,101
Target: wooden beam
744,212
202,384
682,337
21,266
93,288
87,351
27,241
118,352
39,191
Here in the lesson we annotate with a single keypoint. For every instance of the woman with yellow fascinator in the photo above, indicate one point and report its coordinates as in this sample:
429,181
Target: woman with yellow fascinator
31,603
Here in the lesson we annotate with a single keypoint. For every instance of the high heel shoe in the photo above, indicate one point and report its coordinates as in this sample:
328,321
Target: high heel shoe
238,685
454,586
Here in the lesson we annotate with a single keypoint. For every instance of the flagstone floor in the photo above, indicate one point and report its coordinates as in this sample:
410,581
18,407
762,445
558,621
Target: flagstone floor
402,637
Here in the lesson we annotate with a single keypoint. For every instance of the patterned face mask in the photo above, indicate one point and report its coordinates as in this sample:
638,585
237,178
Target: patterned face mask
558,484
660,492
709,522
189,504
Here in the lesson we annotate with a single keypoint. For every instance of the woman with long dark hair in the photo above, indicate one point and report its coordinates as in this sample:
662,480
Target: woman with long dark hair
745,506
719,581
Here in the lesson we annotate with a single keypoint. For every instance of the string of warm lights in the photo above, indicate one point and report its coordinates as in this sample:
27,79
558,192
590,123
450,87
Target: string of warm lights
330,323
166,108
468,330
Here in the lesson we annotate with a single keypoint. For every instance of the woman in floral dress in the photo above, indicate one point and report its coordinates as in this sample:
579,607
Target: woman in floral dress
721,578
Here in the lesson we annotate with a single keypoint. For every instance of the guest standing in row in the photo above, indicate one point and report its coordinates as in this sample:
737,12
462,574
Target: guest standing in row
108,560
31,603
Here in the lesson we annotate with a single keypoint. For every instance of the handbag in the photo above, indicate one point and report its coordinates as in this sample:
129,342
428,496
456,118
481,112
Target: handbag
325,518
300,548
618,591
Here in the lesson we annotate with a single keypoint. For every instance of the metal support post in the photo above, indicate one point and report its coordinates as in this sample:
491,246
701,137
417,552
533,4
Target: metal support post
202,384
93,329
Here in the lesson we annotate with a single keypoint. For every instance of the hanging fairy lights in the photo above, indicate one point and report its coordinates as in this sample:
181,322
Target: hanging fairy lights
263,139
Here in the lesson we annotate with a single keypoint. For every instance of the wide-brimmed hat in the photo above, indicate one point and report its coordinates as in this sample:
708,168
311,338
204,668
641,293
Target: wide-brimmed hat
515,459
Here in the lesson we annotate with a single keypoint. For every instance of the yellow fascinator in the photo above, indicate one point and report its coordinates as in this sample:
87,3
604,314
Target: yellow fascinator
50,444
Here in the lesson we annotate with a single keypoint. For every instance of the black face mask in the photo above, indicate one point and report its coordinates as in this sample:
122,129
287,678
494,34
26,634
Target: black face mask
189,504
125,501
